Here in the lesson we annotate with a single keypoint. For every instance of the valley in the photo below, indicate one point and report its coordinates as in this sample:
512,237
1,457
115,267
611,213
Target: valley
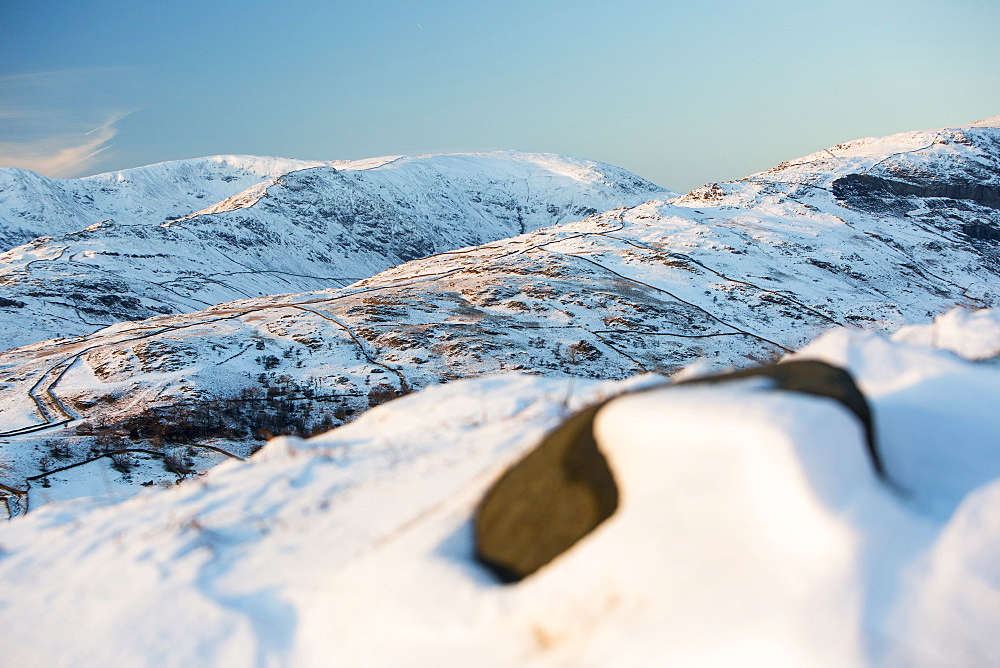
728,275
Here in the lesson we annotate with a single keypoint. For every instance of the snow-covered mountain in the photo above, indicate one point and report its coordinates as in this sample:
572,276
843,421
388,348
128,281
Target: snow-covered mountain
32,205
180,236
730,274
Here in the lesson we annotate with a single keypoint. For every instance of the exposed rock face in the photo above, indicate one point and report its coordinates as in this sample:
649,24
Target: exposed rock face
546,502
865,191
563,489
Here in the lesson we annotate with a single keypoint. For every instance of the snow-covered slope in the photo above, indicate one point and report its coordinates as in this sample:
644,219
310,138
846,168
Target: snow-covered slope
131,254
943,181
752,531
32,205
729,275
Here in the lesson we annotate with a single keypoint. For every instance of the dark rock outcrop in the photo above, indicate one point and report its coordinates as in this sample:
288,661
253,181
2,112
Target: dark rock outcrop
563,489
865,192
545,503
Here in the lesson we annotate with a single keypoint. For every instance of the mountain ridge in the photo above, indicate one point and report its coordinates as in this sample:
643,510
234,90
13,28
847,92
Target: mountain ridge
310,228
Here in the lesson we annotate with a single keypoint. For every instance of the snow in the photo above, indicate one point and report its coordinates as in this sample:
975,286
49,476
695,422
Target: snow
974,335
916,390
951,605
991,122
94,479
752,531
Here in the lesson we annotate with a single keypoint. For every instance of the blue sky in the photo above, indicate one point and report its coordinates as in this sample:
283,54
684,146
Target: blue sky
681,93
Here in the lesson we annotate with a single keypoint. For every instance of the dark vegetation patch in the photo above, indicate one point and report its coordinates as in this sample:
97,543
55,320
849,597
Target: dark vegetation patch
279,407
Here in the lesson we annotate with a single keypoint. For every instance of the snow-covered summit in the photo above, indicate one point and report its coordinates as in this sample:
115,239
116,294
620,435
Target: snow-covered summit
934,159
958,163
991,122
32,205
201,168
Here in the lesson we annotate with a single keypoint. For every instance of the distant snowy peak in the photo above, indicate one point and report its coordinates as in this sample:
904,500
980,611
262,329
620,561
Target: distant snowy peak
32,205
969,153
499,162
270,226
948,176
206,168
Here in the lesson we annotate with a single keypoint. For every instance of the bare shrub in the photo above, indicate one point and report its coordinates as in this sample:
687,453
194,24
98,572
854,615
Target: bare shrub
123,462
174,463
58,449
381,393
580,351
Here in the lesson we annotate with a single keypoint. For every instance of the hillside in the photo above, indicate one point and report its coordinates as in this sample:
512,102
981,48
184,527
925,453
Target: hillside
729,275
32,205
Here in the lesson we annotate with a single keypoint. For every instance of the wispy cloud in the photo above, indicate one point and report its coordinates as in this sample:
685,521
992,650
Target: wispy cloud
60,155
58,123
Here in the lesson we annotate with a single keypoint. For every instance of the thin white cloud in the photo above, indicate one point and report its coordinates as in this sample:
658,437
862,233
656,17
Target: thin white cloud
60,123
61,155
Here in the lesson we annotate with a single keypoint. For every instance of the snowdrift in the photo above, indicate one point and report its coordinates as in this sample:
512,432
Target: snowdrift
751,530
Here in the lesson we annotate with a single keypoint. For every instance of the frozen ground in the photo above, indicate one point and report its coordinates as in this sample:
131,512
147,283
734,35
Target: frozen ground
752,531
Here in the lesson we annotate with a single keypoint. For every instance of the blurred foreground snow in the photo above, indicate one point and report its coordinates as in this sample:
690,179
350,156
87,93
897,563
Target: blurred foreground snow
752,531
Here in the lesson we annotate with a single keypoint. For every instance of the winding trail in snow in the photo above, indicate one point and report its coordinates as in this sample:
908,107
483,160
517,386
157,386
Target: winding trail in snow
403,385
54,413
674,297
62,251
689,258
